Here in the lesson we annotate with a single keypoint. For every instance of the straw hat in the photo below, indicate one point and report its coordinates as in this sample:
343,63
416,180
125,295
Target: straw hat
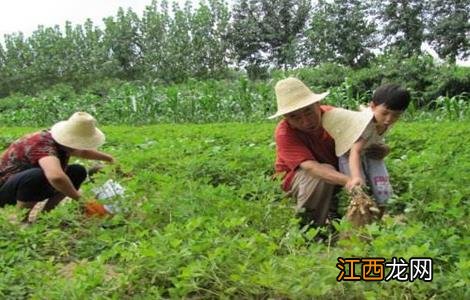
345,126
78,132
292,94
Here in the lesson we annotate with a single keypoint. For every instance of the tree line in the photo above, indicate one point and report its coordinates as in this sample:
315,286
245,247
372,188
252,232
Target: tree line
172,43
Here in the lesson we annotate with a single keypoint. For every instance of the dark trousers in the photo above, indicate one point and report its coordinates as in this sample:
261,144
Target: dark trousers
32,185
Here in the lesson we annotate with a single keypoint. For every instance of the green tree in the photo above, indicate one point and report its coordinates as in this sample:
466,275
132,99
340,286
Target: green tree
122,40
267,33
18,61
449,28
50,64
403,25
155,38
340,32
178,47
209,28
86,55
4,91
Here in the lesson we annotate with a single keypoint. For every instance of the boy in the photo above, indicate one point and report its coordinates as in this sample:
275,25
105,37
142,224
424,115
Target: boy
355,132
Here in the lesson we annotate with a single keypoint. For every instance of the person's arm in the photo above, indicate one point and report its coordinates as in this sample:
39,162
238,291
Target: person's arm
92,154
293,152
57,177
325,172
355,165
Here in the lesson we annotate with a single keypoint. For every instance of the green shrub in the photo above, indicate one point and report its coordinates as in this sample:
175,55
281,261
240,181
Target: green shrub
452,81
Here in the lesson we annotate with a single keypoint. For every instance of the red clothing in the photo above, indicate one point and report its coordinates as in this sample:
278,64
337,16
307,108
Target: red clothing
25,153
294,147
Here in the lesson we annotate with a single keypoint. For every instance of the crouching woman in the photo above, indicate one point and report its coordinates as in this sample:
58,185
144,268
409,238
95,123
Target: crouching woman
36,167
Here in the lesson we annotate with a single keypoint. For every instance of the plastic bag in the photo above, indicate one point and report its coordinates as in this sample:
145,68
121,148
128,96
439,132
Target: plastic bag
108,190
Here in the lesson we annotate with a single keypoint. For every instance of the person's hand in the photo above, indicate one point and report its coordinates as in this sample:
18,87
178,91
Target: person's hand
95,168
354,182
110,160
77,196
377,151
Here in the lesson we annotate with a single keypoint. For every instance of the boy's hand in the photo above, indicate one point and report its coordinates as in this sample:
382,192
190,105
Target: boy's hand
110,159
377,151
354,182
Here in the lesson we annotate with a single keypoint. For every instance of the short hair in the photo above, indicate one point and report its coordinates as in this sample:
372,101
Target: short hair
393,96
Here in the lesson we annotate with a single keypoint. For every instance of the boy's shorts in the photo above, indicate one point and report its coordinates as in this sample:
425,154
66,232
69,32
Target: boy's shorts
375,173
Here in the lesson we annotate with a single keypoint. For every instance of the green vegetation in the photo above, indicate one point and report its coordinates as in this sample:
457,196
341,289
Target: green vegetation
207,101
202,219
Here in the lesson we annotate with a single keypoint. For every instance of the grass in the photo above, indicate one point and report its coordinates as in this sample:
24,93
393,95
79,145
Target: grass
201,219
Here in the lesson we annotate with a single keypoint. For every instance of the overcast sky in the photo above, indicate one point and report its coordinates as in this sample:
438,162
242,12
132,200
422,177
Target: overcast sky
26,15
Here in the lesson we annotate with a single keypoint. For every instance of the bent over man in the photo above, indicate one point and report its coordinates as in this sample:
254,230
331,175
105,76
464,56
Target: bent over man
305,152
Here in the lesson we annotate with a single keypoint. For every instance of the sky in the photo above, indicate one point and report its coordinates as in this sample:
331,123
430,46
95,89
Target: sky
26,15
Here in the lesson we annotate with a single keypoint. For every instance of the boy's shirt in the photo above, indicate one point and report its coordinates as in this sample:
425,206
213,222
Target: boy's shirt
372,136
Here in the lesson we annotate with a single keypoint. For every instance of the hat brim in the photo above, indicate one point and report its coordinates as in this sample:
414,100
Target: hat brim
61,135
341,149
314,98
343,129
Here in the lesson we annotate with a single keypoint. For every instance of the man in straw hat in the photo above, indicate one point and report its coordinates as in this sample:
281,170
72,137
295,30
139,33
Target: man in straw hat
355,132
305,152
35,167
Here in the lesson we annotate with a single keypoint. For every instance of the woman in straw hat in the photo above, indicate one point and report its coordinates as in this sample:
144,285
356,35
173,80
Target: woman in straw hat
356,132
305,152
35,167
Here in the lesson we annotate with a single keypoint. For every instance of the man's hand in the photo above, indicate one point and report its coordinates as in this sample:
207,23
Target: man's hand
110,159
377,151
354,182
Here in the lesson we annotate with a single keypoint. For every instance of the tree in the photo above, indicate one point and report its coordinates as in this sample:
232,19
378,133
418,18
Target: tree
266,32
340,32
155,38
86,55
178,47
209,26
4,91
449,28
403,24
122,40
17,67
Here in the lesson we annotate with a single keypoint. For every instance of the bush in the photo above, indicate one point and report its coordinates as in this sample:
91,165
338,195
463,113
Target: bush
323,77
452,81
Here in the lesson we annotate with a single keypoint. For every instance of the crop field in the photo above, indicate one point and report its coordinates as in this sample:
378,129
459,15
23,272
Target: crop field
201,218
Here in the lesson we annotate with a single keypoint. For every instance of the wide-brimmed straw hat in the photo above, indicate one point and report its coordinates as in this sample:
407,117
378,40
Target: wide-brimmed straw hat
78,132
292,94
345,126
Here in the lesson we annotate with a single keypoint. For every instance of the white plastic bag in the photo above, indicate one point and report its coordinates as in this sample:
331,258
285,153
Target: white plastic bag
108,190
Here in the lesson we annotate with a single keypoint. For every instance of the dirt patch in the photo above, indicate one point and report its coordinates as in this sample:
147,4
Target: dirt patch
68,270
